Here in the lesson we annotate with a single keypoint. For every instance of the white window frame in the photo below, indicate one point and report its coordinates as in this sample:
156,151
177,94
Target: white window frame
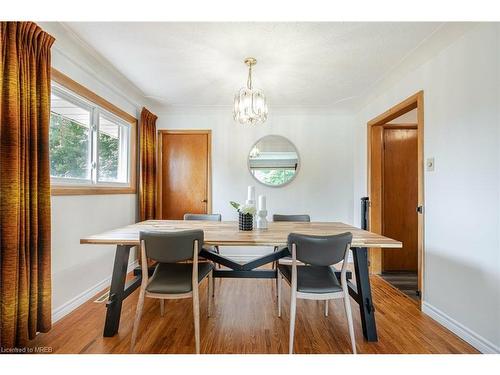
92,185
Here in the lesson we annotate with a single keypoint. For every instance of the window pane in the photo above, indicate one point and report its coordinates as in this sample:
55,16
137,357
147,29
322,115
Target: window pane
113,150
69,140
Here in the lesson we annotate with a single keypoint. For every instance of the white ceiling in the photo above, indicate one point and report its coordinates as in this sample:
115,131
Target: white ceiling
299,64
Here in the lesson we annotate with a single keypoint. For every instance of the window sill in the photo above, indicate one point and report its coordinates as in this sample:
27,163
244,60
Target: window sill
90,190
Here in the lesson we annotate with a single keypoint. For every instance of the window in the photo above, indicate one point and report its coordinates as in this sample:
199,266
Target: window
91,147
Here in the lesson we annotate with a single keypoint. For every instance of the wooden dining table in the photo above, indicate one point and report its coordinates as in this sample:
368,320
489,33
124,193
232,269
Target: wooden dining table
226,233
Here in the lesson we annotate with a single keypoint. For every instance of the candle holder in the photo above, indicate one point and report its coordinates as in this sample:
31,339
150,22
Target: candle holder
261,219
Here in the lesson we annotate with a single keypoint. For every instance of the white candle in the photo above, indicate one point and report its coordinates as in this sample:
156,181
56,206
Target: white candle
251,193
262,202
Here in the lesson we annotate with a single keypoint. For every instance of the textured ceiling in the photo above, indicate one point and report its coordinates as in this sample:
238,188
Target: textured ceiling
299,64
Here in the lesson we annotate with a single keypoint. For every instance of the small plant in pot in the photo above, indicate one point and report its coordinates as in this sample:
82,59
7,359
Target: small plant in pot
245,212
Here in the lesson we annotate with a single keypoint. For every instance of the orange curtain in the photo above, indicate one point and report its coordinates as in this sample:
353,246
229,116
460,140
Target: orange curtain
25,284
147,178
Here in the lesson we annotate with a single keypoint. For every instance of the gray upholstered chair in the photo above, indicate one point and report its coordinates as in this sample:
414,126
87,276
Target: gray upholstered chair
206,217
172,279
304,218
316,279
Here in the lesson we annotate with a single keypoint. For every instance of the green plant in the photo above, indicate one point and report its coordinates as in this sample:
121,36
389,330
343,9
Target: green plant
246,209
235,205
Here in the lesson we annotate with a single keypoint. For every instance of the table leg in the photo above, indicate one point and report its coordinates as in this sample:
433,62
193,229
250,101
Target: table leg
118,291
363,294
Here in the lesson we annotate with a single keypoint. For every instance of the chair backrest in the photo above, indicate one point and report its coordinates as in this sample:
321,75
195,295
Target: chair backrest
208,217
320,250
171,247
303,218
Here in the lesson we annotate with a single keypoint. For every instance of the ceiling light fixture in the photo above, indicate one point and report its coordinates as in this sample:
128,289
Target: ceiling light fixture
250,106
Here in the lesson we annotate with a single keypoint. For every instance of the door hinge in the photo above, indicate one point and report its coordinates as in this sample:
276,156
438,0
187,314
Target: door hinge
420,209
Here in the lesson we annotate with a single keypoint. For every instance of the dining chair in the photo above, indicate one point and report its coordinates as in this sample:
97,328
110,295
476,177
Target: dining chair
173,276
300,218
315,279
304,218
206,217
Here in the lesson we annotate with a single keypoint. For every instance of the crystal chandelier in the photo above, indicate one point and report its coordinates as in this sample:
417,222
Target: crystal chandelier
250,106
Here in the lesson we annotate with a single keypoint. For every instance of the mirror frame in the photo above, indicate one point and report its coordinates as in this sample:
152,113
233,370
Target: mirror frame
296,171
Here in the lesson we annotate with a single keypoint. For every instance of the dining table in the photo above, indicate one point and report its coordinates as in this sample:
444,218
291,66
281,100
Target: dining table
227,233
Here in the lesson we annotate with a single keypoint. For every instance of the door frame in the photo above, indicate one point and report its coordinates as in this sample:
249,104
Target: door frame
208,132
374,187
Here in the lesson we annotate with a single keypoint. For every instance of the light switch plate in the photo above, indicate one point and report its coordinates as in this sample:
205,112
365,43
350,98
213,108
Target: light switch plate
429,165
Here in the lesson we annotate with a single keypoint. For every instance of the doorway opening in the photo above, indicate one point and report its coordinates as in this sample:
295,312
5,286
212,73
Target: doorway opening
395,190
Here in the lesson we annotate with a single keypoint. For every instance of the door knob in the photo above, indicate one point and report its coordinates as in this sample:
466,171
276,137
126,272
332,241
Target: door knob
204,201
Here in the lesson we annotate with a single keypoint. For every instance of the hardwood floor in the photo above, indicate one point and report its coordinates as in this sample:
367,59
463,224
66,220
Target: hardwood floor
245,320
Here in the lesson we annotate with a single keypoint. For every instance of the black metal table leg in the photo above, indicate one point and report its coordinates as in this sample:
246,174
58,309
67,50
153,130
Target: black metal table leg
119,290
363,293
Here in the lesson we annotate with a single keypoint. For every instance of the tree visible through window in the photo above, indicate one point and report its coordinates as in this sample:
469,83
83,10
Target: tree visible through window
274,177
108,156
87,144
69,148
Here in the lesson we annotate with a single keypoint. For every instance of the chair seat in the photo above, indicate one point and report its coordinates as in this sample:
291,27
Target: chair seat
175,278
312,279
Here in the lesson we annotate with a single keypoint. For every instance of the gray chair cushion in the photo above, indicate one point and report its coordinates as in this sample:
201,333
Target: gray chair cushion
175,278
312,279
171,247
303,218
320,250
207,217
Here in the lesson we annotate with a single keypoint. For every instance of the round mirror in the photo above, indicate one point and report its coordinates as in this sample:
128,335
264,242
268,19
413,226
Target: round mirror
273,160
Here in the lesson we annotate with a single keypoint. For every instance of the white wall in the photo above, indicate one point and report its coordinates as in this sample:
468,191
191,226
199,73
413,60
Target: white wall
462,196
81,271
323,186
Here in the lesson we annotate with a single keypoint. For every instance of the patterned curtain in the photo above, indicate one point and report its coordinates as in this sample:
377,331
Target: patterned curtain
25,285
147,178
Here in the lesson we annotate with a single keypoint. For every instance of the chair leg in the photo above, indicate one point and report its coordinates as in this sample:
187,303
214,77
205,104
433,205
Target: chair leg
162,307
138,314
218,252
279,278
209,295
275,263
277,286
347,304
196,316
326,307
293,308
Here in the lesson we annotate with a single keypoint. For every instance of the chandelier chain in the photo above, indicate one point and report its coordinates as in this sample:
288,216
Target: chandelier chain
249,80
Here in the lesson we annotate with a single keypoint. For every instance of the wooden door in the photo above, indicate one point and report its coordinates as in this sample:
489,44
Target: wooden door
400,198
185,168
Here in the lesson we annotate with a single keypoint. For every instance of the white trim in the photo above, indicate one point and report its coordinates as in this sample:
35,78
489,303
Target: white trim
83,297
466,334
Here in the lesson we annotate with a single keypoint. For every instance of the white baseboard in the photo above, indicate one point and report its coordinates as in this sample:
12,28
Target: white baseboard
83,297
466,334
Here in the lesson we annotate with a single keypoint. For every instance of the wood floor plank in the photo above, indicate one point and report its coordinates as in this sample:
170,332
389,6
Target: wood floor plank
245,320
